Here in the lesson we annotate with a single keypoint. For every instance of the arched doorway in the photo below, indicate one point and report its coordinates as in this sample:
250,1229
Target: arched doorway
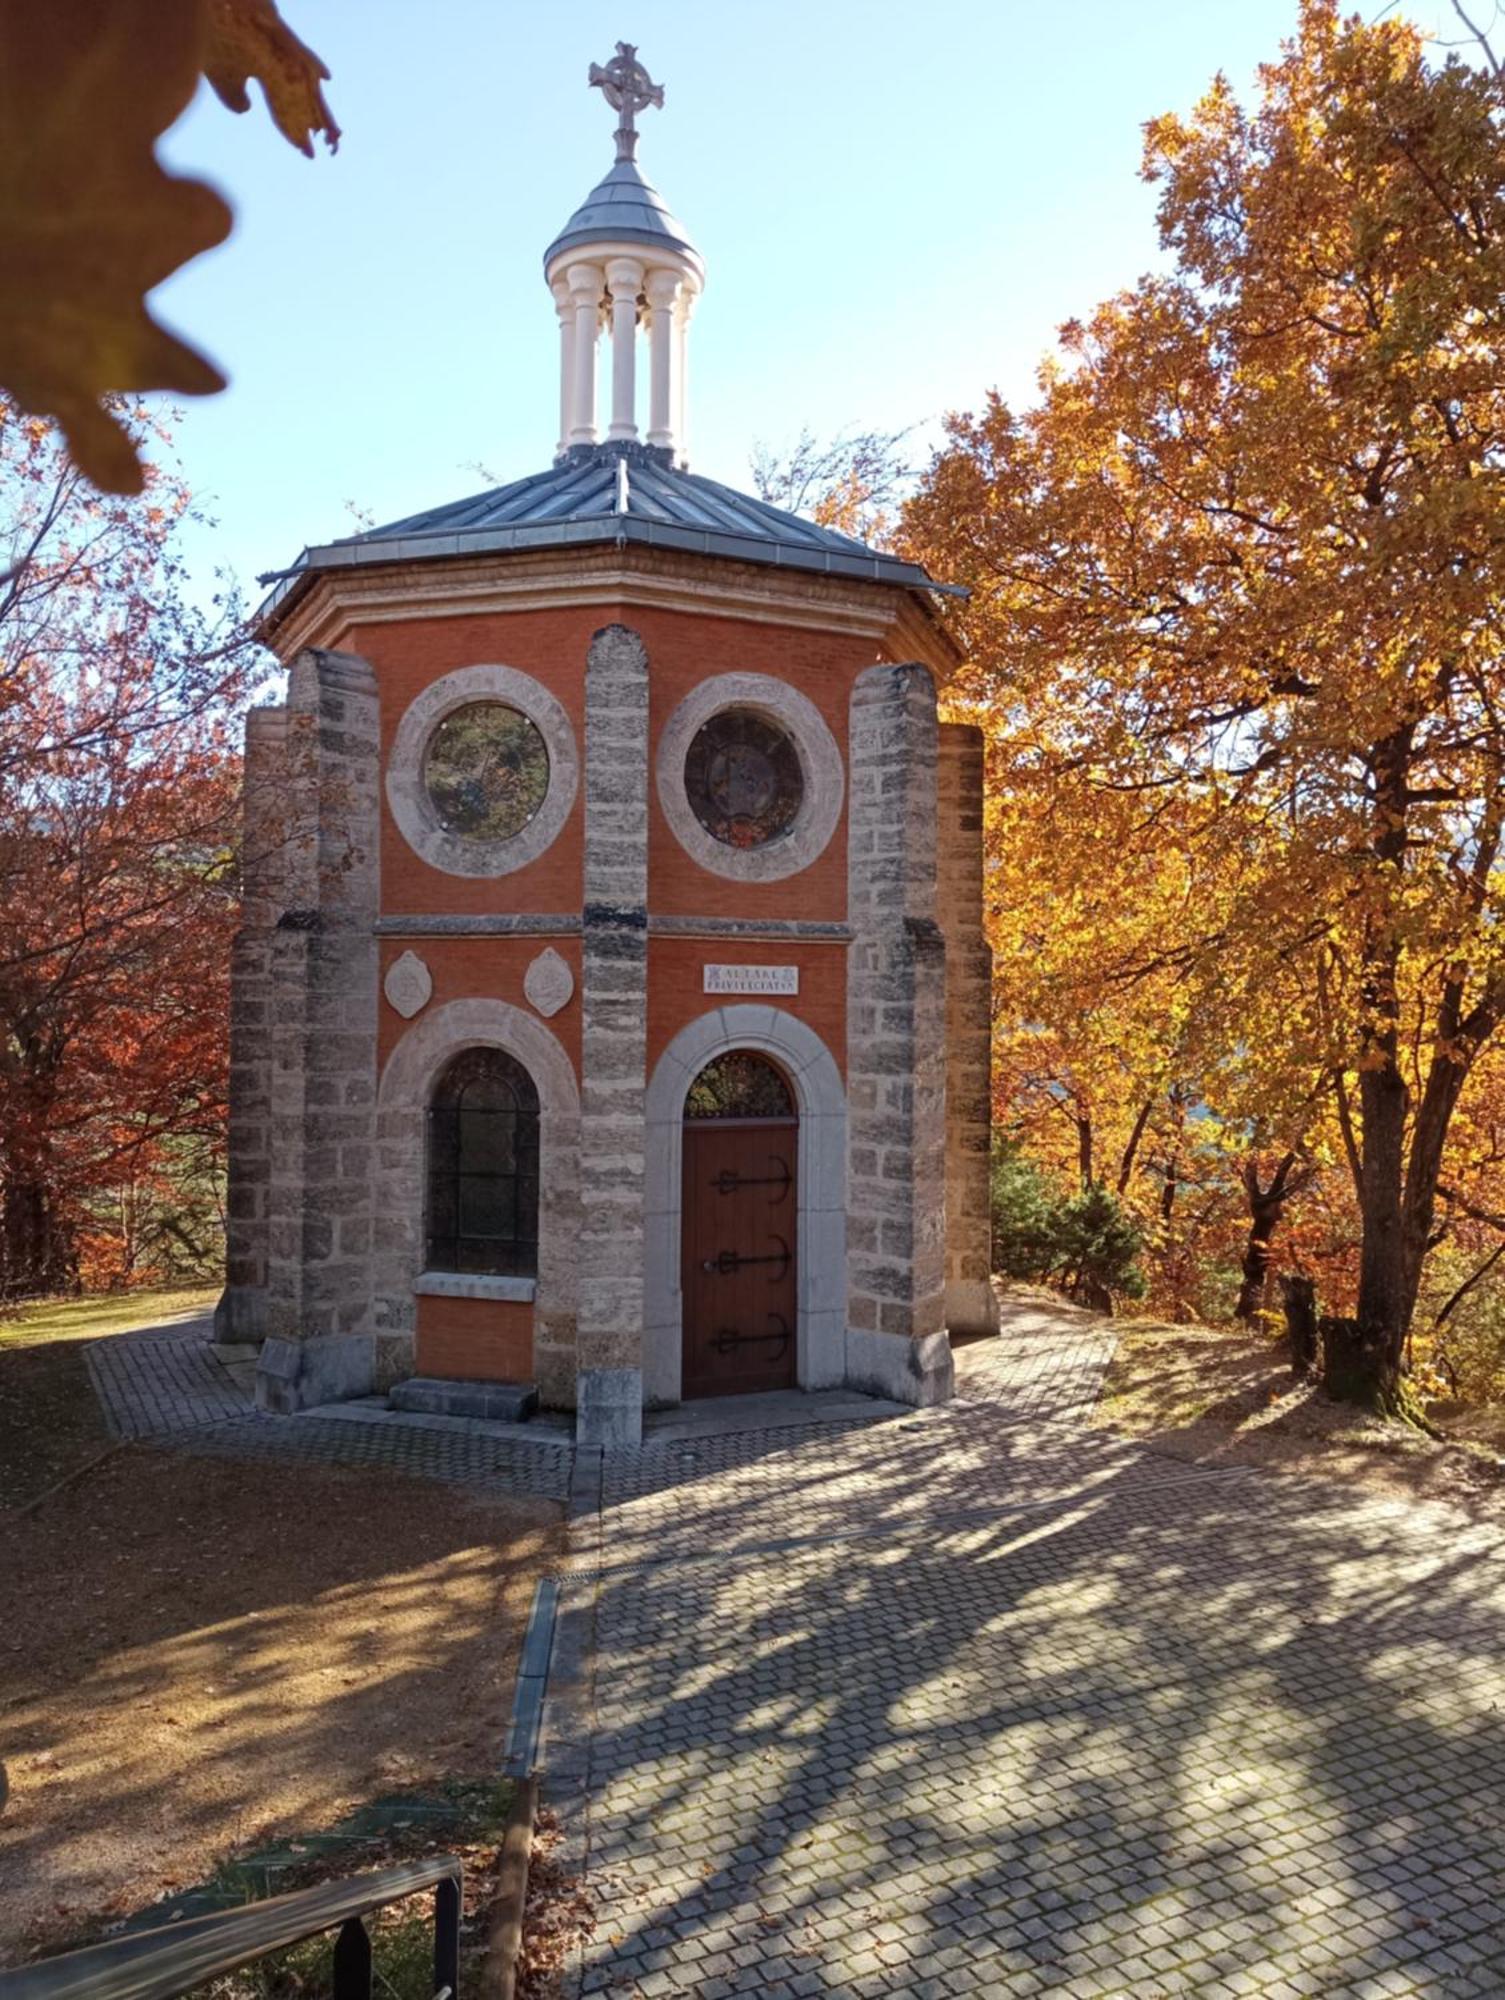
739,1239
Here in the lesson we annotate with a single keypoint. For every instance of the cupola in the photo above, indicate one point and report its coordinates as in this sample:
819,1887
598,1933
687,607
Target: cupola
623,262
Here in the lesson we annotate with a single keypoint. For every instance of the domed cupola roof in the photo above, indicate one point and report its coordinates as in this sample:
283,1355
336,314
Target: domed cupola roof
624,208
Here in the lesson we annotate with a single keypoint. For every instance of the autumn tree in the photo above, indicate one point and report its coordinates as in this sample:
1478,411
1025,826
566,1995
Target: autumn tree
1245,554
118,788
854,482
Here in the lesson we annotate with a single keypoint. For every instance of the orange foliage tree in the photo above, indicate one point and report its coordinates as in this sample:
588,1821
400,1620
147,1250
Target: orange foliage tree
118,787
1241,565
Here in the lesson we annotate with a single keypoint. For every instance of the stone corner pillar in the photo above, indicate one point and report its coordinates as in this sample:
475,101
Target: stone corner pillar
240,1316
896,1342
971,1302
613,1042
319,1344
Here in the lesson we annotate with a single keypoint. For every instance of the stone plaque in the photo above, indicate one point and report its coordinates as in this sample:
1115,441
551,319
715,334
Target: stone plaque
752,979
409,985
548,982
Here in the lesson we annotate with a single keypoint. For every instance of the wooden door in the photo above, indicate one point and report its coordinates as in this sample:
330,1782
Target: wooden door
740,1215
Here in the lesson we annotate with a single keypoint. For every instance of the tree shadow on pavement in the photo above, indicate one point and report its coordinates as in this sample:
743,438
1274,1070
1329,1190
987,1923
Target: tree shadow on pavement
947,1705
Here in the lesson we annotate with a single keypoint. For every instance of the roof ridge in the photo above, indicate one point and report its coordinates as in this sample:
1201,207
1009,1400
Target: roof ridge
578,500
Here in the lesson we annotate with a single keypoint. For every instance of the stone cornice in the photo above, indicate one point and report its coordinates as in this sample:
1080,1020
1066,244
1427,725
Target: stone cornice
610,575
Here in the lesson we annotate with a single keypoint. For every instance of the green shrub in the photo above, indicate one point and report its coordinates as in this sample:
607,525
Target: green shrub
1025,1206
1086,1242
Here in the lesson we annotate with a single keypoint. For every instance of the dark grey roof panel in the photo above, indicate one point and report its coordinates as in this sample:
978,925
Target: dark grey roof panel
624,208
578,501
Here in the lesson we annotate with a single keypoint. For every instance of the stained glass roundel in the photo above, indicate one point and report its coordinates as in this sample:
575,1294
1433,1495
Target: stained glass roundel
486,771
743,779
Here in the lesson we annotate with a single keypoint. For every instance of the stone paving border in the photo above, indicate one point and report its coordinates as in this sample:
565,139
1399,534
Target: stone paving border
487,1464
166,1385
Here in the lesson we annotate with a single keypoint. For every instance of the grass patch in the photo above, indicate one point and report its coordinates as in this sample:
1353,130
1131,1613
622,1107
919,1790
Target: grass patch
45,1320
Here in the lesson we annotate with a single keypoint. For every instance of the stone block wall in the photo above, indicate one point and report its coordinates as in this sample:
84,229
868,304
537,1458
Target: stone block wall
614,1029
240,1316
971,1306
896,1039
322,1084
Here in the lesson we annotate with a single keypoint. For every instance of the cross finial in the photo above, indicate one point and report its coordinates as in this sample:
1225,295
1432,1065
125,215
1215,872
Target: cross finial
628,89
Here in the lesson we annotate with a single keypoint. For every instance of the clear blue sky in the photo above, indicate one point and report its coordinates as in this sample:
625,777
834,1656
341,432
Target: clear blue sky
897,206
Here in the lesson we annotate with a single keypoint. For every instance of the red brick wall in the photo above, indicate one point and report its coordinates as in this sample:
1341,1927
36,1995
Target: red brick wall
408,656
490,1339
492,968
676,984
479,1340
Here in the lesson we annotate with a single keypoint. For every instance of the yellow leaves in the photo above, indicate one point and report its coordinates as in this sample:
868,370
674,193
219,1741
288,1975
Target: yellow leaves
249,38
90,221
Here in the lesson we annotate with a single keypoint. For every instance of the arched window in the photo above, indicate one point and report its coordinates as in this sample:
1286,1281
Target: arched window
483,1167
739,1084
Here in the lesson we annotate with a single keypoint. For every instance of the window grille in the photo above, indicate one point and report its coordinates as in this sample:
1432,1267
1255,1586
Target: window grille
483,1167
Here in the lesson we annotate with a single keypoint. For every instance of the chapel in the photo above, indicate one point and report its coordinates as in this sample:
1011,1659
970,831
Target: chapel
610,1012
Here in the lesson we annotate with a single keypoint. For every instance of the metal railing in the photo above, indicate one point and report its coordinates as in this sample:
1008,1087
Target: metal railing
157,1964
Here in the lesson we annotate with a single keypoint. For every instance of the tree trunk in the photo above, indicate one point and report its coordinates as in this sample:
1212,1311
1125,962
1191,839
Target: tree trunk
1258,1252
1367,1366
1299,1296
1267,1207
1131,1150
36,1256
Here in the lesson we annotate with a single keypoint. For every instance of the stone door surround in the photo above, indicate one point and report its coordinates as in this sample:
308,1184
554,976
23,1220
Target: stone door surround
822,1221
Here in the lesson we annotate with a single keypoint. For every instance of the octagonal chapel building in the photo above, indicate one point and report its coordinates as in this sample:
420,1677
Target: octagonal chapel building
611,1009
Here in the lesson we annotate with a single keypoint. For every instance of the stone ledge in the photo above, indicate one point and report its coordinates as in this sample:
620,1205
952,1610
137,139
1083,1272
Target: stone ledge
435,1396
473,1285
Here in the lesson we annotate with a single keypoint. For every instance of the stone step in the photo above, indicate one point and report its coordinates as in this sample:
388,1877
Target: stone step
434,1396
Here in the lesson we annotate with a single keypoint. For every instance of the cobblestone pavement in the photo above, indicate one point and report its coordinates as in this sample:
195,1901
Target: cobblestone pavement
979,1702
166,1385
163,1379
463,1457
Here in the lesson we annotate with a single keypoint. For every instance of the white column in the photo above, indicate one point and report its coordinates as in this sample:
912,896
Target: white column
684,305
566,311
662,287
625,277
585,296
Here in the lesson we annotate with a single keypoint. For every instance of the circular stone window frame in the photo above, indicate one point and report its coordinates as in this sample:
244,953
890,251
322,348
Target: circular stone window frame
822,775
407,794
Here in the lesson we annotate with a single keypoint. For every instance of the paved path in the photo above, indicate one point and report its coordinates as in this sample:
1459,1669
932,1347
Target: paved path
161,1379
978,1701
165,1385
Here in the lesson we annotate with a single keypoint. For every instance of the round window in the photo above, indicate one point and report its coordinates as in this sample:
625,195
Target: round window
486,771
743,779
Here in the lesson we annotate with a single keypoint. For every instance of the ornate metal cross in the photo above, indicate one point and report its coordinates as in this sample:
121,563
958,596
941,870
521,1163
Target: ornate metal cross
628,89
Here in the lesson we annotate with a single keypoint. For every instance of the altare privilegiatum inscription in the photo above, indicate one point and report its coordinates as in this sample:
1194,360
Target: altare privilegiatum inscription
752,979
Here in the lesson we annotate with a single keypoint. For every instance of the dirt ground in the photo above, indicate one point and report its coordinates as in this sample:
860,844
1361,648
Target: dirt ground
50,1423
196,1654
1222,1397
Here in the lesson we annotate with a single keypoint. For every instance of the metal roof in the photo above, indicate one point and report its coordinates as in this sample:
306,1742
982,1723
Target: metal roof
624,208
608,493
